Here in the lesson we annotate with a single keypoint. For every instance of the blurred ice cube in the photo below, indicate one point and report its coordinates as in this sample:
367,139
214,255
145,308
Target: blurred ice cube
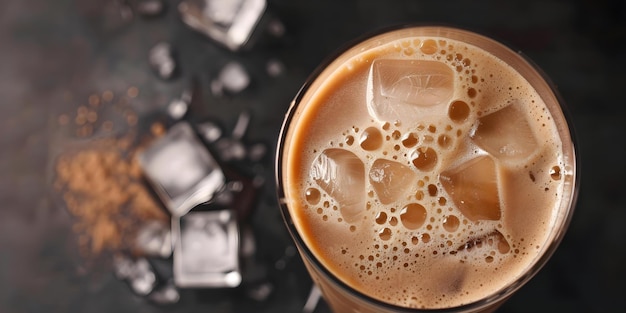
122,266
493,240
474,188
167,294
228,22
256,152
209,131
241,126
177,109
391,180
260,292
233,77
207,249
138,273
506,133
274,68
276,28
161,59
222,11
404,90
181,169
154,238
341,174
232,148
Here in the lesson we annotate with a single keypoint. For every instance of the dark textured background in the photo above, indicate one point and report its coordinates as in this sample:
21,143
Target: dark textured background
52,49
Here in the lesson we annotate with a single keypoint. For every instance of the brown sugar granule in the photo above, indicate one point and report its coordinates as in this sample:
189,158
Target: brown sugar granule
102,183
102,188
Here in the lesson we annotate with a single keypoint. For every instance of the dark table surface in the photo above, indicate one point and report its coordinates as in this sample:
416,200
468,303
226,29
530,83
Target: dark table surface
54,54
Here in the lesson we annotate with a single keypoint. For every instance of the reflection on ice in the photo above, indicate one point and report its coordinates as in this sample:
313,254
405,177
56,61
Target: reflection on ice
473,187
400,89
506,134
207,249
342,175
390,179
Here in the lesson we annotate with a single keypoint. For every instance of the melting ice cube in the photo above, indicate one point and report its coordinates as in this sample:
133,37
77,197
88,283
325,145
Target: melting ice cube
138,273
234,77
207,249
229,22
390,179
342,175
167,294
506,133
161,59
181,169
402,89
154,238
492,240
473,186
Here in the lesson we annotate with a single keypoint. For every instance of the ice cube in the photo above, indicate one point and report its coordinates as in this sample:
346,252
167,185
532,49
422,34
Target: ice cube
474,188
167,294
161,59
181,169
256,152
260,292
276,28
493,240
391,179
178,167
230,149
506,133
154,238
222,11
274,67
228,22
242,125
207,249
138,273
234,77
142,279
177,109
341,174
209,131
401,90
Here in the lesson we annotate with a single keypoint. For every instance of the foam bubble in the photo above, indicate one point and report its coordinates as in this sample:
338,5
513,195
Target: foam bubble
371,139
424,158
413,215
312,196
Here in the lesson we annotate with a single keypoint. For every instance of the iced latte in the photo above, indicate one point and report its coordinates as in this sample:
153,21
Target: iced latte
425,168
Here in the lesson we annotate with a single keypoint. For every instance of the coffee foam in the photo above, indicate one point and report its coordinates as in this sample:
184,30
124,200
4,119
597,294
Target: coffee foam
412,245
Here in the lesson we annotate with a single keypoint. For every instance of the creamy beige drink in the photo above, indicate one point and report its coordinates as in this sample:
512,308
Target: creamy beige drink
426,168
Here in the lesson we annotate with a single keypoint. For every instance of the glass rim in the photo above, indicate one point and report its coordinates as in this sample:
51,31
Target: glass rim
552,242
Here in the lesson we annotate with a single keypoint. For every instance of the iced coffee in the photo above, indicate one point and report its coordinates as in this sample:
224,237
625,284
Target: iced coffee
425,168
